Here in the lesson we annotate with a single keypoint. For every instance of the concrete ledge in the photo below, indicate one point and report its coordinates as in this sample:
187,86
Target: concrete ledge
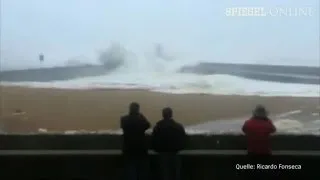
113,142
118,153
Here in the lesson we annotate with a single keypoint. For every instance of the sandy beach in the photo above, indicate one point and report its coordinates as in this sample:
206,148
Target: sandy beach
62,109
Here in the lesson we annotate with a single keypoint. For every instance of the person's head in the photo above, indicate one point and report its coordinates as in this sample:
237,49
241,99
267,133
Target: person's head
260,112
134,108
167,113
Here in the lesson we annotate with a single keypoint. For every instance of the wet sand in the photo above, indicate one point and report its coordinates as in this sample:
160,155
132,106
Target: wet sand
61,110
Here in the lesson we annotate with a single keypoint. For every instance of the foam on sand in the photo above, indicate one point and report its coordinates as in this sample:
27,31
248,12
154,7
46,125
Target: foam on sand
284,123
288,124
284,126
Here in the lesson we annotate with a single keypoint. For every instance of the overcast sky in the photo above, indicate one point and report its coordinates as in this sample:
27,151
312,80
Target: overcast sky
64,29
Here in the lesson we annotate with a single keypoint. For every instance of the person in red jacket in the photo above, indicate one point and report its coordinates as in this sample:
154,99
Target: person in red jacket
258,130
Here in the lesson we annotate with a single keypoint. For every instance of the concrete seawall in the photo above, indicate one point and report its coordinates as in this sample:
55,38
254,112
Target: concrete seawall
113,142
52,74
284,74
211,68
99,157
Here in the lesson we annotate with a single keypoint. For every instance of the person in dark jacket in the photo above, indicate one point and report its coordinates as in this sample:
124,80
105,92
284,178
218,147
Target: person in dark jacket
258,130
168,138
134,147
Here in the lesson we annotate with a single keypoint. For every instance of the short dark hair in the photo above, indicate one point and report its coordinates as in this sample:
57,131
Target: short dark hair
167,112
134,108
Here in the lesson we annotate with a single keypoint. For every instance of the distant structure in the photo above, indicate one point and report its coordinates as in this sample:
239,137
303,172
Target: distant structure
41,58
160,53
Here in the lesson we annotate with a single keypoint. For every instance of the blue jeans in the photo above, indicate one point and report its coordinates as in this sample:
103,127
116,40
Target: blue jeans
170,166
136,168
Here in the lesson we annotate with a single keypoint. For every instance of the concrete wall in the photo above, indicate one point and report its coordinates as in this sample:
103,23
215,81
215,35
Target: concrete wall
195,167
102,141
207,157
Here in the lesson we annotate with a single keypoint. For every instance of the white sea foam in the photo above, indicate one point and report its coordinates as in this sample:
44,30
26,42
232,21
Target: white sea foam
288,124
283,124
182,84
289,113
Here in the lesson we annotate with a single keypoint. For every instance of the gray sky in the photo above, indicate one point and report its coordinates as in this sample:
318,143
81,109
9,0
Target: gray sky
198,29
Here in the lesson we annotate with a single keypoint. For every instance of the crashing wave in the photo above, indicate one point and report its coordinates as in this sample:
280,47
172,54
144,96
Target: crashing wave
113,57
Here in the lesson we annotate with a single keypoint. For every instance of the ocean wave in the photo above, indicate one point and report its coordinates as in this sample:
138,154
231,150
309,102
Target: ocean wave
180,84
